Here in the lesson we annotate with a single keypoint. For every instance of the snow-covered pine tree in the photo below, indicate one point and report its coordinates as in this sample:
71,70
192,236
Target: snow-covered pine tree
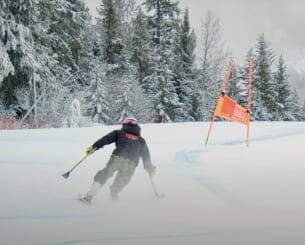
131,101
75,113
288,104
296,109
2,4
212,64
166,102
108,28
126,11
162,26
142,106
6,36
125,109
112,41
140,46
195,103
233,89
68,20
38,47
262,80
283,90
61,40
183,66
98,102
17,51
242,83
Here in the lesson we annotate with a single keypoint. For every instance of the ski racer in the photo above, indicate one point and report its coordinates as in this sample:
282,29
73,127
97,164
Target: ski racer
130,147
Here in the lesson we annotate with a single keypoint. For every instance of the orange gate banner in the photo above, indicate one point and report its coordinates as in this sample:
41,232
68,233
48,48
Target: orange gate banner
230,110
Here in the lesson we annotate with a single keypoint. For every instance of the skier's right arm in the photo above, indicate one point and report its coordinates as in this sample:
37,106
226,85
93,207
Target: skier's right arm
107,139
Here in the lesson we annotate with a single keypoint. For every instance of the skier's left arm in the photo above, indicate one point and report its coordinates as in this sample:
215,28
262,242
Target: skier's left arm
145,155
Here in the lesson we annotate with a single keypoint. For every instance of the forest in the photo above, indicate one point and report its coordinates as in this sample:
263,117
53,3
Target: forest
62,67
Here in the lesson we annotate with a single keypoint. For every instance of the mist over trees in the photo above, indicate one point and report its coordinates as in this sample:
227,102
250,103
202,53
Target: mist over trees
134,60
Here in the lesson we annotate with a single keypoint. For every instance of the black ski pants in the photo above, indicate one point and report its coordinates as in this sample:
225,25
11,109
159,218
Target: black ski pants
125,169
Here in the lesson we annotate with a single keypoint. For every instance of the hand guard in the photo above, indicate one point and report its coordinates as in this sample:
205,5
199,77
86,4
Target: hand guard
90,150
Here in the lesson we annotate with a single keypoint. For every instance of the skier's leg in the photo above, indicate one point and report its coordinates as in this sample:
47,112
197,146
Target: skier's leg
123,177
103,175
91,192
100,179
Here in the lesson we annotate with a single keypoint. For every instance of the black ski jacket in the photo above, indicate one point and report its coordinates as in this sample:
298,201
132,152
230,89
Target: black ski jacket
129,145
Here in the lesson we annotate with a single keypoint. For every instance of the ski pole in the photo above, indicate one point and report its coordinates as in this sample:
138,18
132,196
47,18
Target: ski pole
154,188
66,175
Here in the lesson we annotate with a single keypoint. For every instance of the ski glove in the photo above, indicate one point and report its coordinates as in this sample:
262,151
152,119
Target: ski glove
90,150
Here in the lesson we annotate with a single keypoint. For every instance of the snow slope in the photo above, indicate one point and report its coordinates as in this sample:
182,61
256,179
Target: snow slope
222,193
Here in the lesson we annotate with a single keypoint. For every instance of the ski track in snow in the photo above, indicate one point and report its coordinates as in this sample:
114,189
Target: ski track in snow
193,156
135,238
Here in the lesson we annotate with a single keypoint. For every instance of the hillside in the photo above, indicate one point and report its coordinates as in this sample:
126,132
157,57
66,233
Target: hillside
222,193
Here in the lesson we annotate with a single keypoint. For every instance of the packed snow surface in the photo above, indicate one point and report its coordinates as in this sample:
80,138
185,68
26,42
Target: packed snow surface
222,193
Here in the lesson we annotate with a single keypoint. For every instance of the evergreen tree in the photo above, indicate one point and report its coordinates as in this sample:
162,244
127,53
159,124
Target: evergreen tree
6,65
212,64
66,24
162,27
142,106
22,10
283,91
296,111
61,39
17,51
126,11
234,87
166,100
99,106
266,91
184,47
196,110
243,86
114,52
140,45
183,66
43,41
161,12
108,27
131,101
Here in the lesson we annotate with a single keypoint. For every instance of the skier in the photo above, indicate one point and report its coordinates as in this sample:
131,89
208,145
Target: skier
130,147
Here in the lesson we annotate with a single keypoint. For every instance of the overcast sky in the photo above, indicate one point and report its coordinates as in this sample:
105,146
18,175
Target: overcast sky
281,21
